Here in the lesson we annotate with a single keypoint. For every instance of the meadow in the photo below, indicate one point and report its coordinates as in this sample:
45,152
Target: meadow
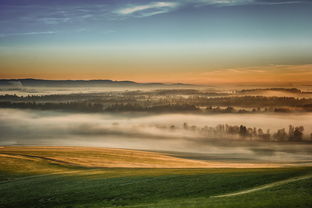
104,177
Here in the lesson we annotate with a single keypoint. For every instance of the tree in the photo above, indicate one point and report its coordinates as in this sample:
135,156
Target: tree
243,131
298,133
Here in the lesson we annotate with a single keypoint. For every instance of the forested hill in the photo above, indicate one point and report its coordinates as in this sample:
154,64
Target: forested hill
80,83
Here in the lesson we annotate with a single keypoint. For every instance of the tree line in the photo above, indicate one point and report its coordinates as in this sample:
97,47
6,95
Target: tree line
225,131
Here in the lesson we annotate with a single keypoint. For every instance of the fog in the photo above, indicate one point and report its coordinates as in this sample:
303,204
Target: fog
39,91
148,132
20,90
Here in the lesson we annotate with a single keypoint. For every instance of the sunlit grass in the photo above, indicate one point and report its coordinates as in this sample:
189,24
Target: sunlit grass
39,182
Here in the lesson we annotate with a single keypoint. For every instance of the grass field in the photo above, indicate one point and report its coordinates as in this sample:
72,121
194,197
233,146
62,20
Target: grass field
99,177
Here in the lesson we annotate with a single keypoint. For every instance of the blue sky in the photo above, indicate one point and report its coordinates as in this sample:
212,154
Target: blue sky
228,33
160,21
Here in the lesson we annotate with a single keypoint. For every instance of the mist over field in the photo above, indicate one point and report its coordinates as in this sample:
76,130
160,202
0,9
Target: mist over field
150,132
137,103
21,90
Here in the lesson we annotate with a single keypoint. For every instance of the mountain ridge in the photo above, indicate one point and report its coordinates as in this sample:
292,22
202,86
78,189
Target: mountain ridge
93,82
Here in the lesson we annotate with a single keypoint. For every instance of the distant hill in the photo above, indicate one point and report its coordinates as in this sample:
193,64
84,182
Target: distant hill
80,83
290,90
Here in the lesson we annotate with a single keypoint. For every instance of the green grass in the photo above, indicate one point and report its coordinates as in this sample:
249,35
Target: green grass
297,194
178,188
23,184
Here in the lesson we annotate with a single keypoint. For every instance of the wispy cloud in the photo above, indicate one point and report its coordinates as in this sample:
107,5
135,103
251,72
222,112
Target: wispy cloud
243,2
149,9
27,33
54,20
223,2
259,74
278,2
154,8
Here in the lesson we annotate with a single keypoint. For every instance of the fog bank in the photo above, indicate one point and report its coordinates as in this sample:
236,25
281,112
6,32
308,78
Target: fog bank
145,131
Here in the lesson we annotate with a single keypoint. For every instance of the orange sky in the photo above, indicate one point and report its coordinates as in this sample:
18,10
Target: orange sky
279,74
197,65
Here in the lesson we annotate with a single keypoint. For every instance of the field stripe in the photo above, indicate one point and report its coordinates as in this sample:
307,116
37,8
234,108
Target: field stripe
267,186
58,173
51,160
259,188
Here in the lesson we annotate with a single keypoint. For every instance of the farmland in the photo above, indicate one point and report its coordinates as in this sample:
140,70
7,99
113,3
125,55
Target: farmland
104,177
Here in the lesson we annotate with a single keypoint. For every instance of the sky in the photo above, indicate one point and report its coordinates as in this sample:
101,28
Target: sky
190,41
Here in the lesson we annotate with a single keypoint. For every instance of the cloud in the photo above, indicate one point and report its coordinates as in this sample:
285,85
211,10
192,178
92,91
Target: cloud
274,74
27,33
242,2
155,8
54,20
278,2
224,2
149,9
